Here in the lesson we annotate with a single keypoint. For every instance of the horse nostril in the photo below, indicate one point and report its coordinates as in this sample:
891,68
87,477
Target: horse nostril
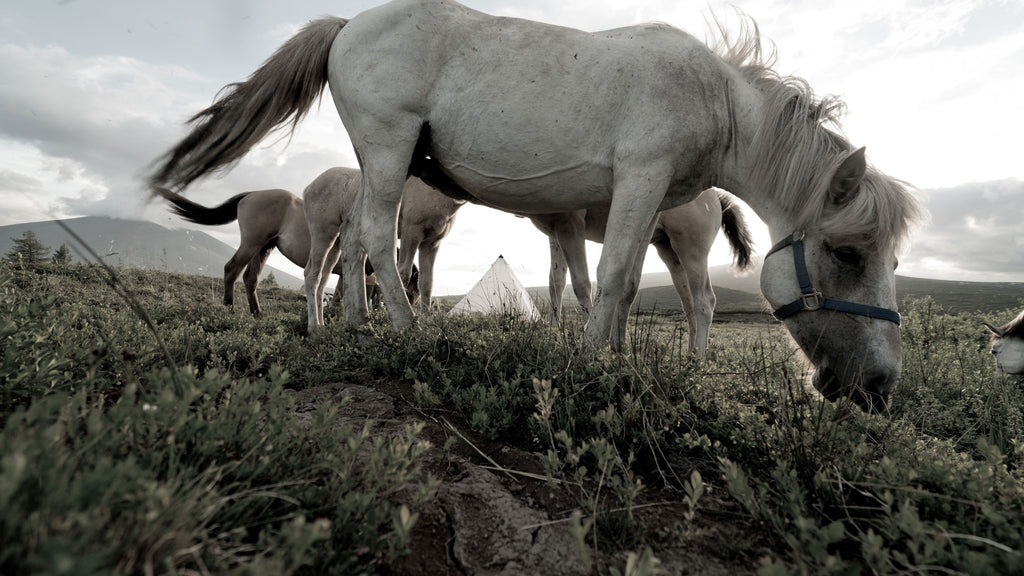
877,386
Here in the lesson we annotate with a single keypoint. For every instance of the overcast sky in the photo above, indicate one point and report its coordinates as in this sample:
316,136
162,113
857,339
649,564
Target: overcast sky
91,91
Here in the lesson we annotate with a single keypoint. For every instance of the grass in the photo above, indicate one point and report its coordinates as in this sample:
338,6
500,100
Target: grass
126,450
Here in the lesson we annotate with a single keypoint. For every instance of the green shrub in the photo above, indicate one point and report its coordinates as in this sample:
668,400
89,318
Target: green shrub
110,467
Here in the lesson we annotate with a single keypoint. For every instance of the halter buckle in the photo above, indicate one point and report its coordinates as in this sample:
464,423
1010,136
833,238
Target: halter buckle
812,300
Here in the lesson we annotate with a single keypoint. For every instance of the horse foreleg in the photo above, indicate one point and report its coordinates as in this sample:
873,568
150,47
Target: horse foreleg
631,220
629,291
251,278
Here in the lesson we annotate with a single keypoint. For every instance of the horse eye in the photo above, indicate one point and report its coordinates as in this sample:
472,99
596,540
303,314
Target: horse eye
847,256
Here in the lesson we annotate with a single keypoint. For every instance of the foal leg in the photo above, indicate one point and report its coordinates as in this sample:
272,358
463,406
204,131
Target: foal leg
412,239
695,268
322,236
428,255
233,269
570,234
556,280
330,263
251,278
682,285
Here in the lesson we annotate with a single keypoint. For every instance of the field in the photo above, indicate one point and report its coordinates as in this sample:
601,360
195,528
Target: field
147,429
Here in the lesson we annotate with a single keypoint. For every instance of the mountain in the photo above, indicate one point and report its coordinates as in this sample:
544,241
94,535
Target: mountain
742,293
139,244
148,245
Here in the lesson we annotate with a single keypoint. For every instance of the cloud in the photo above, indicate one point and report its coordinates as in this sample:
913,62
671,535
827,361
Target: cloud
976,233
86,129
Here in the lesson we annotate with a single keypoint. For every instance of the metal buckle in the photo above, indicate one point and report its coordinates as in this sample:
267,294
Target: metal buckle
811,301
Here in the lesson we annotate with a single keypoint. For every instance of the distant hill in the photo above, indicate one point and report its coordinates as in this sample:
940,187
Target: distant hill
148,245
140,244
742,294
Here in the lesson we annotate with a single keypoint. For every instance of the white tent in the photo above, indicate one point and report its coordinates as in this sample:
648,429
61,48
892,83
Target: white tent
498,291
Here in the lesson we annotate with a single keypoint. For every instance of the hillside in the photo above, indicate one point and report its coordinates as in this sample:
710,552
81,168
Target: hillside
479,444
140,244
147,245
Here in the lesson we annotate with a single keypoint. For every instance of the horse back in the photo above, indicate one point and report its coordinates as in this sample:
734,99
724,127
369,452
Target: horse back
518,108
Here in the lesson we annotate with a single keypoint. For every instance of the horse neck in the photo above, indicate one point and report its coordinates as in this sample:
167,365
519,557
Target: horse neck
746,113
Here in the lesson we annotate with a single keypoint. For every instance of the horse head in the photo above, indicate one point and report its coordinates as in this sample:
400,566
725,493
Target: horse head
833,285
1008,345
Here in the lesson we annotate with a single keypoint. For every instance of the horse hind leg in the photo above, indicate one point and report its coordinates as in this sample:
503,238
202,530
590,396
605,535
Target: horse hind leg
385,161
251,278
233,269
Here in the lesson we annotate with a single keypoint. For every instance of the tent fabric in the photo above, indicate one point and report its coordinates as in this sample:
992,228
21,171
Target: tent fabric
498,291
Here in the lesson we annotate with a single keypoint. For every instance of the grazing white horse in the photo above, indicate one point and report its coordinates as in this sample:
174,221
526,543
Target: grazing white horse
427,216
533,119
683,238
1008,345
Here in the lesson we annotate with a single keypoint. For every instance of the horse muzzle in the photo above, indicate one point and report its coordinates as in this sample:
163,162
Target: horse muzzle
869,389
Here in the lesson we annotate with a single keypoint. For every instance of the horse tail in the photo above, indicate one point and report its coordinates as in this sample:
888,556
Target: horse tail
280,91
189,210
736,231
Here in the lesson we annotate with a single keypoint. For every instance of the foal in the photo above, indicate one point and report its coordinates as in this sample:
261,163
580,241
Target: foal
683,237
267,219
425,218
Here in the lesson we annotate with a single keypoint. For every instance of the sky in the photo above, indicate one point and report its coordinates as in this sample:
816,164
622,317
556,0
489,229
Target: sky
92,91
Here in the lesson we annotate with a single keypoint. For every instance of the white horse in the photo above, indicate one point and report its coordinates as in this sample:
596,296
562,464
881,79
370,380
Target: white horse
683,238
1008,345
534,119
427,216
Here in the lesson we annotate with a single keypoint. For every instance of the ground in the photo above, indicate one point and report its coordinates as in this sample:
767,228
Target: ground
495,514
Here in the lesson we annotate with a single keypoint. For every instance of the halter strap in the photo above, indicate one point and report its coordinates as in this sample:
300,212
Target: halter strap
811,299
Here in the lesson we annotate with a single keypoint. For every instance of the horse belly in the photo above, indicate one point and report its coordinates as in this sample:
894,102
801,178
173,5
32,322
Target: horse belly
538,189
520,155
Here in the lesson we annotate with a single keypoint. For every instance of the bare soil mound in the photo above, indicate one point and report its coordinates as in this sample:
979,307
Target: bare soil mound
495,513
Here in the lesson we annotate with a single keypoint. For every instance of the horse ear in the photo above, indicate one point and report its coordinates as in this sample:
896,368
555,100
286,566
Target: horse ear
993,329
846,181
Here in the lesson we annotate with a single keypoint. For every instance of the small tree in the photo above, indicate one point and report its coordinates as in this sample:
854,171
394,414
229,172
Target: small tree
270,280
28,249
62,257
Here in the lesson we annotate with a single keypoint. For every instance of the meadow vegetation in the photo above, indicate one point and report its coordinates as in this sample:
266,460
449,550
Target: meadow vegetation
147,429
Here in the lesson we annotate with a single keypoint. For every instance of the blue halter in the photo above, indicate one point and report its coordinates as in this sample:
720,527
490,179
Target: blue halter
811,299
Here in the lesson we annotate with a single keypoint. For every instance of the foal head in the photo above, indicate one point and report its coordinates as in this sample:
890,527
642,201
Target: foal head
1008,345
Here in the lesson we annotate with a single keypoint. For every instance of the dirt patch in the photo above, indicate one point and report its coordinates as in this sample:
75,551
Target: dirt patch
494,513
